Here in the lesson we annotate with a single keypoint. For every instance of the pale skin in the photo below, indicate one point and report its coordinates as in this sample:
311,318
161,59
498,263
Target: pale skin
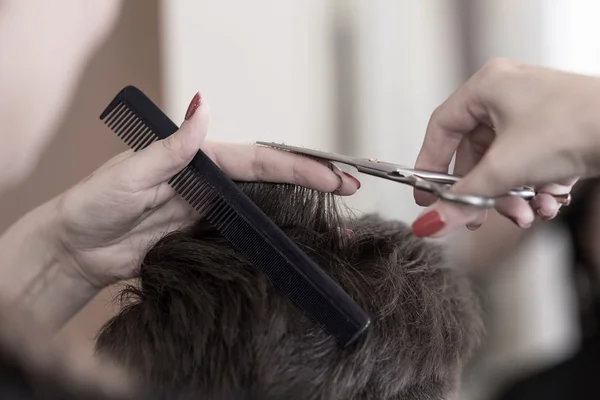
56,258
511,125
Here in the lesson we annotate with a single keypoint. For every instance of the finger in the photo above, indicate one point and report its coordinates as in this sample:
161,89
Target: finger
478,220
469,153
160,161
173,209
256,163
442,217
460,114
468,156
544,204
115,160
493,176
517,210
466,159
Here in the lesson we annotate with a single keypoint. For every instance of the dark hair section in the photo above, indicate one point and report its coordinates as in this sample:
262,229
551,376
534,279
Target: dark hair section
204,320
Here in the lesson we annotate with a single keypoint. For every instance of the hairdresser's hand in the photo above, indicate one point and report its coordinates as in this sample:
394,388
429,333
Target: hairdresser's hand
109,220
511,125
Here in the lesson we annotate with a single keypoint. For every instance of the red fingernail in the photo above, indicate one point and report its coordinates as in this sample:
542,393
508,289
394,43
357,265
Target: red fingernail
353,179
194,104
428,224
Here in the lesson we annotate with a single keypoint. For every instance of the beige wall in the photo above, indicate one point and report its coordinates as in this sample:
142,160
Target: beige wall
82,142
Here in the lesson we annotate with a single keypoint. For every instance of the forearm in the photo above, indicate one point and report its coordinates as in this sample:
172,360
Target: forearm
36,273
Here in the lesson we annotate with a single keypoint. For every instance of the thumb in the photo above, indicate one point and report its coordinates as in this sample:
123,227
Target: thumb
495,175
160,161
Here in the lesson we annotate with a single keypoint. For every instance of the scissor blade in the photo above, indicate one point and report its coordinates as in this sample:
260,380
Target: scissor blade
437,177
311,153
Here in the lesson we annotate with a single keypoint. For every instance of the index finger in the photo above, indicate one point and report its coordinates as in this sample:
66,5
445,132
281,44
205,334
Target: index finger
246,162
456,117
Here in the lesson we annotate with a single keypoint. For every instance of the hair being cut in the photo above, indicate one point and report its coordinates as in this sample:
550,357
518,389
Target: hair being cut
204,319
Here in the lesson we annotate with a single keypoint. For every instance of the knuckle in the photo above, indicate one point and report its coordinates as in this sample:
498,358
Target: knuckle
499,66
296,177
257,165
176,149
496,173
496,71
436,115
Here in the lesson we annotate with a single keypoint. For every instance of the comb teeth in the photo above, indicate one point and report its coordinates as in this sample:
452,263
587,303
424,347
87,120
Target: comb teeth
139,122
130,128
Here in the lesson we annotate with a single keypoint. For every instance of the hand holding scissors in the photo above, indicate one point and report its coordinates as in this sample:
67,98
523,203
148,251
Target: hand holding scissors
435,183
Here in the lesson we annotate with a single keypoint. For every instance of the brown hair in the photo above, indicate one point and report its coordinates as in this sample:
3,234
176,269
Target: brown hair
204,319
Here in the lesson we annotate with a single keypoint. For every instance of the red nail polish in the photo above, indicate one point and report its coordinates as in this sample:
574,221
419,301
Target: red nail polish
428,224
352,178
194,104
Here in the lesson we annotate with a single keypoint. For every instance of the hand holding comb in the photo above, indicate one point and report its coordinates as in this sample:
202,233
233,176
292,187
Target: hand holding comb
139,122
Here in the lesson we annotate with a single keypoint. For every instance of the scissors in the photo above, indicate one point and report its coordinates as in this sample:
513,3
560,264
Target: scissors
428,181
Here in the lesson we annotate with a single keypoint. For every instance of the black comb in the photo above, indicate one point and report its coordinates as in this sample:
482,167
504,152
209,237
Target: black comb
139,122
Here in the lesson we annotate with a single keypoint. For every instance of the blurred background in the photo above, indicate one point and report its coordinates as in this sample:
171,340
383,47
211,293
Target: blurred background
358,77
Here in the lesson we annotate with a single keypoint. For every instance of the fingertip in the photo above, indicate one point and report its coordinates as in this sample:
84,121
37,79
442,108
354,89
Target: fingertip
194,129
348,184
194,105
545,206
429,223
516,210
424,199
355,182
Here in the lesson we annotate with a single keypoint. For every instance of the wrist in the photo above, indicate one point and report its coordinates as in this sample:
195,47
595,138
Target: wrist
38,272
